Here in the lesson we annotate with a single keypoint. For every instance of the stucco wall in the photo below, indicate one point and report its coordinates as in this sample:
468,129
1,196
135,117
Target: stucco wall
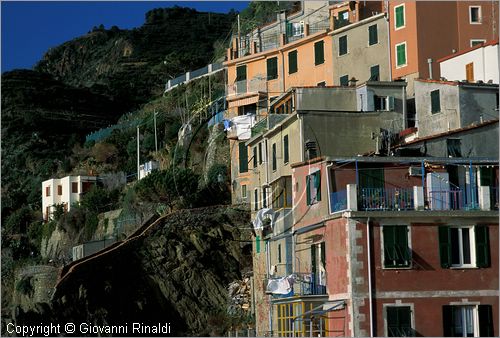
360,53
484,60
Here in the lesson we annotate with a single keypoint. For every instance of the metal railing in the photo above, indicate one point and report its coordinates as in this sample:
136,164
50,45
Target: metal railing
266,123
308,285
292,38
247,86
494,198
270,42
446,199
338,200
386,199
189,76
319,26
339,23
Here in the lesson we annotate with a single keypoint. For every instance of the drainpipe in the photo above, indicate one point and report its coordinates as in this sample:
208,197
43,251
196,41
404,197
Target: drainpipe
388,38
301,129
268,262
429,61
369,274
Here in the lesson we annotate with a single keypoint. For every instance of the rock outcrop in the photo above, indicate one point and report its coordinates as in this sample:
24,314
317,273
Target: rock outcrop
175,271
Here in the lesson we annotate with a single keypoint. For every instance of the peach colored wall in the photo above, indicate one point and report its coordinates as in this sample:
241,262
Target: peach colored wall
408,34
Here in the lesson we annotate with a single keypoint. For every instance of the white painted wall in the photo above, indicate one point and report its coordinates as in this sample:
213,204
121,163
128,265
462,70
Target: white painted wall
485,60
67,197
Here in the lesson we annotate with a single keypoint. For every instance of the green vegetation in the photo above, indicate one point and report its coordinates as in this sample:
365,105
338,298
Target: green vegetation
24,286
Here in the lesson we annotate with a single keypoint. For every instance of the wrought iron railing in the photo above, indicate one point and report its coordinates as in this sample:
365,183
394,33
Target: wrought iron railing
267,122
309,285
386,199
338,200
446,199
319,26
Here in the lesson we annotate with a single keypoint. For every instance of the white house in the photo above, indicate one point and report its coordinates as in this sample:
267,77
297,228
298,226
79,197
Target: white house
66,190
146,168
479,63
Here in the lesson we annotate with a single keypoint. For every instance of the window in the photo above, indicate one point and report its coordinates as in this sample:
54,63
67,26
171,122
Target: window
397,254
475,14
464,246
289,326
435,101
285,149
255,157
401,55
295,29
344,80
453,147
399,321
264,197
292,62
260,153
475,42
399,14
272,68
274,156
59,190
343,45
244,191
467,321
47,191
375,73
256,199
282,193
372,35
469,72
313,188
243,156
241,73
74,187
279,253
384,103
319,53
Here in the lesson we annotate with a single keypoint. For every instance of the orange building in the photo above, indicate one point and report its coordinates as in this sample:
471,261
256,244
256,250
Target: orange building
421,32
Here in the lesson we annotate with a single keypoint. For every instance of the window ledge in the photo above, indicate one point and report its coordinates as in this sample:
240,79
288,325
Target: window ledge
398,268
464,267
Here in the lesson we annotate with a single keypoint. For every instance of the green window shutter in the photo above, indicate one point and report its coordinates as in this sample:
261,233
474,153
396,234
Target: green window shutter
308,190
392,321
448,328
402,249
243,152
255,157
292,62
274,156
375,73
401,54
279,253
389,234
256,199
314,268
323,254
272,68
288,29
285,147
257,244
319,53
487,176
372,35
260,153
482,246
344,80
391,103
317,185
400,19
241,73
343,45
485,321
445,246
435,101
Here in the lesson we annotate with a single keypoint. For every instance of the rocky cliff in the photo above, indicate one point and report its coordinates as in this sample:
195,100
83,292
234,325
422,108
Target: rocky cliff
176,272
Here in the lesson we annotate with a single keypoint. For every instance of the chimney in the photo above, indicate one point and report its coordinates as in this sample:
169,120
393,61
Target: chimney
352,82
311,150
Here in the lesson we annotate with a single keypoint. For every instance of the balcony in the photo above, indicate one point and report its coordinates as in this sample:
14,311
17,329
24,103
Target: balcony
339,23
307,285
304,285
240,127
385,199
412,198
267,122
242,87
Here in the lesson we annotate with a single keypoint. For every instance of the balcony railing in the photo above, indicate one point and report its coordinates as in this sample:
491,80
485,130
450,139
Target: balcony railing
308,285
339,23
338,200
254,85
386,199
319,26
453,199
266,123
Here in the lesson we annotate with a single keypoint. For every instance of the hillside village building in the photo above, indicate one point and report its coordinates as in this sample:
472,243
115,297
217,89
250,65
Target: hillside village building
65,191
374,202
